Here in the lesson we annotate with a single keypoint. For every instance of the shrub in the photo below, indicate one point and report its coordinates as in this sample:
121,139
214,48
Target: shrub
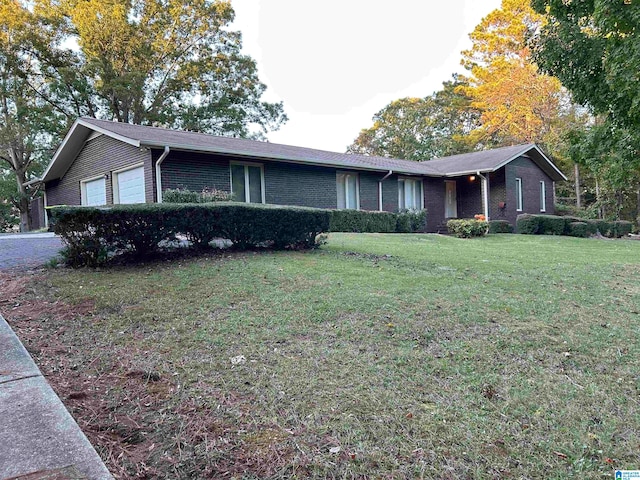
500,226
527,224
551,225
467,228
411,221
622,228
94,235
362,221
207,195
578,229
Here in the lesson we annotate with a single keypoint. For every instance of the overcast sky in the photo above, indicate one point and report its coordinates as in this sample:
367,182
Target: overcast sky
335,63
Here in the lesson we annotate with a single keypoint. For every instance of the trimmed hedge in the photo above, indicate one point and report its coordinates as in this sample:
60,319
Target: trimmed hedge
207,195
578,229
362,221
411,221
554,225
467,228
500,226
94,235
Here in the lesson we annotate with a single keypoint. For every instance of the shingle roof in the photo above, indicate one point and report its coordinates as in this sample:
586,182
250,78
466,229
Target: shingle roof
139,135
176,139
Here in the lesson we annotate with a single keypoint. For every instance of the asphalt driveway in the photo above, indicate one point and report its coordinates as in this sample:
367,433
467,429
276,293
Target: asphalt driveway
27,250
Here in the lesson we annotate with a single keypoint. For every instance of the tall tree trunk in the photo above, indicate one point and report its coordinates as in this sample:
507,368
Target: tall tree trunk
23,203
600,206
576,173
638,205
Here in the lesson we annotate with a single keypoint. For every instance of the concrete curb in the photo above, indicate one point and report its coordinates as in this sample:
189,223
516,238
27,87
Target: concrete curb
37,434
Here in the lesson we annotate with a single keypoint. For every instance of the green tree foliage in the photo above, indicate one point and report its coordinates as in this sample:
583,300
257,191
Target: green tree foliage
420,128
154,62
593,48
29,119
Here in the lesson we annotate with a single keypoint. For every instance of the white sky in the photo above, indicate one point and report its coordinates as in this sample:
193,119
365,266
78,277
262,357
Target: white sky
335,63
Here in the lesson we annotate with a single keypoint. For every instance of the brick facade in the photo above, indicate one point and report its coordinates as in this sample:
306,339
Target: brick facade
434,200
100,156
469,195
299,184
531,176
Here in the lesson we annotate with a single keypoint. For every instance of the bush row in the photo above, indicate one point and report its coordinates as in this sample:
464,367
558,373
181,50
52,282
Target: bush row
377,222
207,195
554,225
500,226
467,228
94,235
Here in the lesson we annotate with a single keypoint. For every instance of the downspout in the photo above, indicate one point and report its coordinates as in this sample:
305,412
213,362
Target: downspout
159,174
380,189
485,195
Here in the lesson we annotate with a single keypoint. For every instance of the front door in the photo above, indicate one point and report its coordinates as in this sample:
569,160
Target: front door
450,200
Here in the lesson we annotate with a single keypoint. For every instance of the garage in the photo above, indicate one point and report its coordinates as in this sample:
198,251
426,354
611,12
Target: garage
129,185
94,192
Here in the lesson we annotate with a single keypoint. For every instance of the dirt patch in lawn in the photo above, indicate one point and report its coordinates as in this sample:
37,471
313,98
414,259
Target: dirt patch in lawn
140,421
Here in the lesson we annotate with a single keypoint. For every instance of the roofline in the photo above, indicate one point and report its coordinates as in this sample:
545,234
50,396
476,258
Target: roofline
509,160
282,158
531,146
122,138
80,121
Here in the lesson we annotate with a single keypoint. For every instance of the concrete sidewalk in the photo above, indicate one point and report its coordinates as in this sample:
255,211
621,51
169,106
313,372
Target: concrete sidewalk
38,436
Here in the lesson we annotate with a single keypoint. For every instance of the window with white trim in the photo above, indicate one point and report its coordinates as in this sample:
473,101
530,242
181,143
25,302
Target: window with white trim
543,196
247,182
348,187
519,203
410,194
93,191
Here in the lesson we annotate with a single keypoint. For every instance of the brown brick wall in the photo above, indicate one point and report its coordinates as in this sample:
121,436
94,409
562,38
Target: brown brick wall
531,176
434,198
469,195
99,156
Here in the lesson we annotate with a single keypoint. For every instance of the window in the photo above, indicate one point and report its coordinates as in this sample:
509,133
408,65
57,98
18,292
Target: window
128,185
247,182
93,191
348,188
543,196
410,194
519,194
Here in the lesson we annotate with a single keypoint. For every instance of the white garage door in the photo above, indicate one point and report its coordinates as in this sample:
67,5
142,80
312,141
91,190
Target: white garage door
95,192
131,186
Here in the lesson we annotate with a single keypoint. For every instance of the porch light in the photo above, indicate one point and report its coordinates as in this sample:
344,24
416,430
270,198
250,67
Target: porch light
472,178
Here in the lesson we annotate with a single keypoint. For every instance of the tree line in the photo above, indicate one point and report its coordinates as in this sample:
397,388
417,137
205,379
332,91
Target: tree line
557,73
173,63
560,74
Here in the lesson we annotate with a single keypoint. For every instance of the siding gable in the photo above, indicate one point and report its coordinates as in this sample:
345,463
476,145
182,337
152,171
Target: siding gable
100,156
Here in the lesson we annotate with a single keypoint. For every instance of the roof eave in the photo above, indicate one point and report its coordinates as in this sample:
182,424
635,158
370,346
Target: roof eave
282,158
60,152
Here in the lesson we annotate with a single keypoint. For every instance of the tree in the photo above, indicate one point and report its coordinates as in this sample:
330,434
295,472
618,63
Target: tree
155,62
170,63
519,104
593,48
420,128
28,121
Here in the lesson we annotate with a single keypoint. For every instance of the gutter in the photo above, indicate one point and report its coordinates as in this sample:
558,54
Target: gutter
159,173
380,189
485,195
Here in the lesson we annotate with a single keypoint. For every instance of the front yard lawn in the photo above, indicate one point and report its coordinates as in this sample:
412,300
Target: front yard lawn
386,356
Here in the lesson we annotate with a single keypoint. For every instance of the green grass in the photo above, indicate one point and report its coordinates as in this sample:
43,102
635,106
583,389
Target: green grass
420,356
